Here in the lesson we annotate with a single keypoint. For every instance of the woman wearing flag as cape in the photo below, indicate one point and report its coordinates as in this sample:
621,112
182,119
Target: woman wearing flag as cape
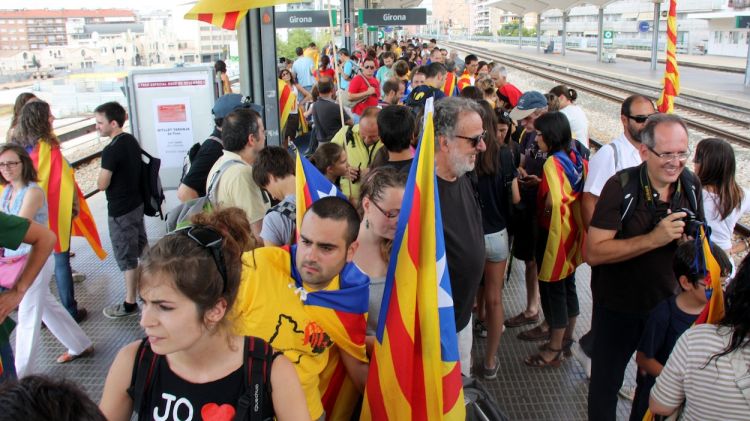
561,235
69,213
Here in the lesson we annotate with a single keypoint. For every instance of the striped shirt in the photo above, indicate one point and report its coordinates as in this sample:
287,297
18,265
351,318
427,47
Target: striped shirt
709,389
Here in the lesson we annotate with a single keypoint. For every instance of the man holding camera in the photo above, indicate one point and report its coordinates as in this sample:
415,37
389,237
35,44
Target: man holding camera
638,220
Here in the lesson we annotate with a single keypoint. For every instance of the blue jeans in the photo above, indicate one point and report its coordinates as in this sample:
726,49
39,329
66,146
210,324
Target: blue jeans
9,363
64,279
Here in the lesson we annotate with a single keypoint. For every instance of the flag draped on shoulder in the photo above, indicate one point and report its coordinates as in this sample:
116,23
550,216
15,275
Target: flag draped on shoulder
287,102
465,80
228,14
311,186
341,311
58,182
671,89
415,372
560,191
449,88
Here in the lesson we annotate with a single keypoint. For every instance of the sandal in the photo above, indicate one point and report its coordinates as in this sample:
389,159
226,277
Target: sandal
567,345
67,357
521,319
535,334
538,361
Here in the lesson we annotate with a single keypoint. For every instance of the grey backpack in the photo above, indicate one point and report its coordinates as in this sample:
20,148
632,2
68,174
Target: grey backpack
179,216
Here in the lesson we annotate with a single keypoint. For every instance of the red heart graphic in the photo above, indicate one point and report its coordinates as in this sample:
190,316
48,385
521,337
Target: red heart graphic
214,412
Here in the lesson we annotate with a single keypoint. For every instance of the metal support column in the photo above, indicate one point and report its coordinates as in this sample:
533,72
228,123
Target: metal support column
655,38
599,35
564,32
347,26
257,70
538,32
520,31
747,65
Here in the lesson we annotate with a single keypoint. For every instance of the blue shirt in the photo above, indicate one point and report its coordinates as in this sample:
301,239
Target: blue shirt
302,69
344,84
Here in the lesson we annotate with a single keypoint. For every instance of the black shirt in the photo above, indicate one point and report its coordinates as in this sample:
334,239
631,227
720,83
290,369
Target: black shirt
464,243
635,285
533,164
494,195
208,154
123,157
327,119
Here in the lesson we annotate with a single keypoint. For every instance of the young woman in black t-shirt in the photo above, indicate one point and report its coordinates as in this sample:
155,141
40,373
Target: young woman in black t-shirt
188,282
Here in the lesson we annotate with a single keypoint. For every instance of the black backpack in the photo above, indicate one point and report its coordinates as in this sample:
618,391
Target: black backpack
151,190
631,188
251,406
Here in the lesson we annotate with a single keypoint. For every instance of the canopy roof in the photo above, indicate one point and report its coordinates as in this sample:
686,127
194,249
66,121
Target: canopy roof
522,7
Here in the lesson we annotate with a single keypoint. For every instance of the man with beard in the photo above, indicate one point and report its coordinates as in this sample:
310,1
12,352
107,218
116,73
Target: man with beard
632,237
459,137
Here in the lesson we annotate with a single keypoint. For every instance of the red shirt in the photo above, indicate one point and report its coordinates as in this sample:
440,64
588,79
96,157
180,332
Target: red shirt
327,72
358,85
512,93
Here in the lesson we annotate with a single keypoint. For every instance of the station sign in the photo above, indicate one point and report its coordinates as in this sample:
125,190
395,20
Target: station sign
742,22
304,19
607,37
392,17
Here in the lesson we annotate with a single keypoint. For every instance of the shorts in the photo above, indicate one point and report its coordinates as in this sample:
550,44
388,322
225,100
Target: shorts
128,235
559,301
496,246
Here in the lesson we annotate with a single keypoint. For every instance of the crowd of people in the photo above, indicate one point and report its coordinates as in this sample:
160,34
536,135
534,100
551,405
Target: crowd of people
255,296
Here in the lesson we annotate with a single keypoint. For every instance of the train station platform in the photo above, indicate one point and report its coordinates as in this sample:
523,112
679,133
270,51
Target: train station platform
720,86
524,393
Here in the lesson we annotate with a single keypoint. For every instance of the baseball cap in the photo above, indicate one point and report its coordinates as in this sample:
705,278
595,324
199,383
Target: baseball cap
529,102
230,102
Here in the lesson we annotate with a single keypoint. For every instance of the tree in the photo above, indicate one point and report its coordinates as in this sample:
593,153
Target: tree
296,38
511,30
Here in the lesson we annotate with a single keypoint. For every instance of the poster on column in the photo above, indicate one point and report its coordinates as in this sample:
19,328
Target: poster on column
174,129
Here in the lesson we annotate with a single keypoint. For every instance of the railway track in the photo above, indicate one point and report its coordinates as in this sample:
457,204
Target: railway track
730,123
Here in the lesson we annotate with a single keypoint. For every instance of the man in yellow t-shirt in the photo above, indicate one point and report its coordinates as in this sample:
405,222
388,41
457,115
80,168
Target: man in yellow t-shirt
276,300
360,142
313,54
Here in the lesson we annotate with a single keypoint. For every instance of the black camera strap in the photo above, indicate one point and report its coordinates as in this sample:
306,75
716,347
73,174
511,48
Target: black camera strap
649,195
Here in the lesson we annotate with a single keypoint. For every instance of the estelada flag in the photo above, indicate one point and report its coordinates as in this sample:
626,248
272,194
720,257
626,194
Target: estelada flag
562,187
287,100
311,186
341,310
465,80
449,87
228,14
58,182
415,373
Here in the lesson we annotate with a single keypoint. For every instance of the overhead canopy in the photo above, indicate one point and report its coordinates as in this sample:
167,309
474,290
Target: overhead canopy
228,14
522,7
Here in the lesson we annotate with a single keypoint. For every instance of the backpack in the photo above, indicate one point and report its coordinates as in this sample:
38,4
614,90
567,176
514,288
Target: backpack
631,188
179,216
187,161
289,211
253,406
480,405
151,190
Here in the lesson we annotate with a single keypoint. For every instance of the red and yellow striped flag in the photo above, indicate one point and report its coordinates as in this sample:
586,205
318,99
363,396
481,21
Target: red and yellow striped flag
671,74
228,14
449,88
287,100
57,180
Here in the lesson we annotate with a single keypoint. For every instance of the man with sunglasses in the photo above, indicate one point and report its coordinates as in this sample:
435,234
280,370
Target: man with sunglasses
364,89
459,137
631,243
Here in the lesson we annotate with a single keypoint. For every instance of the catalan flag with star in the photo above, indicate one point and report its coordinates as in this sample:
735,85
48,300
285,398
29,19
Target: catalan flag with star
415,370
311,186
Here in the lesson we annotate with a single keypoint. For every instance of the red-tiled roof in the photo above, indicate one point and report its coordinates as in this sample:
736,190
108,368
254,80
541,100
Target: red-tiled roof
64,13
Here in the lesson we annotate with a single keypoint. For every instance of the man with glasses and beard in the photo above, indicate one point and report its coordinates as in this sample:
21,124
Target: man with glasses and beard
459,137
632,238
364,89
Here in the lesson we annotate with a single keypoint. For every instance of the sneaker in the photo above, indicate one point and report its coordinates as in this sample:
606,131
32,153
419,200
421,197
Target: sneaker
491,373
78,277
81,315
116,311
627,392
480,328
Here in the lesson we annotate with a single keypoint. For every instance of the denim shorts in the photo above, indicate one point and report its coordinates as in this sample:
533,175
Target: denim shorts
496,245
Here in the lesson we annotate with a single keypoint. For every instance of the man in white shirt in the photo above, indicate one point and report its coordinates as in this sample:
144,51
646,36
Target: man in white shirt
619,154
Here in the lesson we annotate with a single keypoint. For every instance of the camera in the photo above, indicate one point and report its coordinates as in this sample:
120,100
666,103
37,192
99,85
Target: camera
692,223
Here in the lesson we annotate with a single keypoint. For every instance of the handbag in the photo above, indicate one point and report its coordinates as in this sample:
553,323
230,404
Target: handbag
10,269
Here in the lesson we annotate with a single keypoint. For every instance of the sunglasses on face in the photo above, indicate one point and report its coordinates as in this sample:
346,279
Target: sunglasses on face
369,67
638,118
213,241
474,140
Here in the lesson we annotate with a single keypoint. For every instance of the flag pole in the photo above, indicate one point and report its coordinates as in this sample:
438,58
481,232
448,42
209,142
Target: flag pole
335,60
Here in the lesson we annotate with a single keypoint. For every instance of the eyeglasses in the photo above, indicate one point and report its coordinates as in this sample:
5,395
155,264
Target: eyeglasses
209,238
638,118
671,156
369,67
473,140
393,213
10,164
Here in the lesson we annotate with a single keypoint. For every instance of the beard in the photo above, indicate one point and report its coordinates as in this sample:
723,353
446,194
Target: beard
461,163
634,133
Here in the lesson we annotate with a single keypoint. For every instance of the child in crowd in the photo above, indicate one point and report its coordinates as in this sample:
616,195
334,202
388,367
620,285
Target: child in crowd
670,318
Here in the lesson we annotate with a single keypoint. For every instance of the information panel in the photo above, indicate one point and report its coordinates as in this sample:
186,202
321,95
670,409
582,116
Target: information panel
304,19
391,17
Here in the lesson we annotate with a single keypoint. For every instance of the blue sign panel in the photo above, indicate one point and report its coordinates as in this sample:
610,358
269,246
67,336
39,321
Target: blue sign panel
644,26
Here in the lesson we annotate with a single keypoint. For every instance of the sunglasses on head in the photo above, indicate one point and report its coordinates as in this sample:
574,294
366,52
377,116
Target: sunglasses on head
638,118
210,239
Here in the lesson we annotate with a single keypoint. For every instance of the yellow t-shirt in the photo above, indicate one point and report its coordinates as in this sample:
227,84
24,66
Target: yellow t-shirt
237,188
358,155
268,307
